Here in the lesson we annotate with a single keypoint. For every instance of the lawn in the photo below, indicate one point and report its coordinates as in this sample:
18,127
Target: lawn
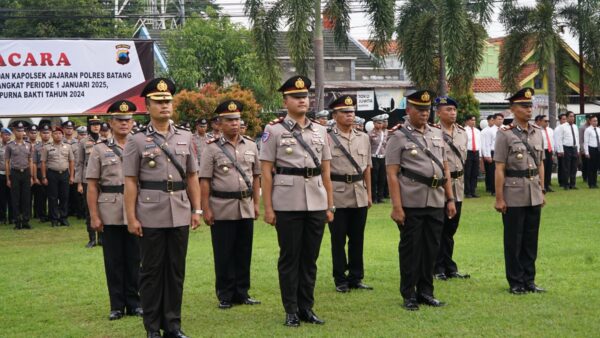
52,286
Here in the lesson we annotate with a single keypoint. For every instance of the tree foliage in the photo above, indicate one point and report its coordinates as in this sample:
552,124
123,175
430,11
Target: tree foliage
193,104
443,41
213,49
59,19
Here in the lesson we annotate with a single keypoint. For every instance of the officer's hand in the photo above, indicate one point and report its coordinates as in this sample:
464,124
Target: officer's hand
31,181
71,181
398,216
543,201
270,217
36,181
500,206
369,203
560,154
80,188
488,159
587,156
135,228
44,181
256,211
451,209
8,184
209,217
329,216
195,221
96,224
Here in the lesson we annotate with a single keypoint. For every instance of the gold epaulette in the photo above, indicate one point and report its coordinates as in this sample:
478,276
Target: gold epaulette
435,125
277,120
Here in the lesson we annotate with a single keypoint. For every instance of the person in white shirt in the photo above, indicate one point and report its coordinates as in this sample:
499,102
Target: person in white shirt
562,119
473,154
548,141
584,160
488,140
591,144
567,141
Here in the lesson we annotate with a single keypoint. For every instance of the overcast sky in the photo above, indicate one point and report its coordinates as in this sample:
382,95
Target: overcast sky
359,24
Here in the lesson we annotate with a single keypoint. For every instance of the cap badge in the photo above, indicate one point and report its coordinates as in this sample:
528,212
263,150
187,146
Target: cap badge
414,152
425,97
443,100
528,93
232,106
348,101
123,107
519,156
162,86
299,83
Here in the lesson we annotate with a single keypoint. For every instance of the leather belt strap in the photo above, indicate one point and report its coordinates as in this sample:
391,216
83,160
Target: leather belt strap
346,178
118,189
457,174
529,173
304,172
232,194
166,186
432,182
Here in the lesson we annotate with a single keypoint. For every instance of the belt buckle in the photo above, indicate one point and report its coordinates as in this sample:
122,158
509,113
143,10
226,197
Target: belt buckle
530,172
245,193
348,179
169,186
310,172
435,182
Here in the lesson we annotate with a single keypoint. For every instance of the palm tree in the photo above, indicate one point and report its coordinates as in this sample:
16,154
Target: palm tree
305,32
442,41
535,28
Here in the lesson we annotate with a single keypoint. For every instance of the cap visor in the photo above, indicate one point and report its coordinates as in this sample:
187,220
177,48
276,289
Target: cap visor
298,94
160,97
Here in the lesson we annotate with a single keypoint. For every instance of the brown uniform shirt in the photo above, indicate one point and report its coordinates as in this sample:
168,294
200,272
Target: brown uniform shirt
224,176
84,150
400,150
2,152
379,140
37,153
350,195
107,167
296,193
510,150
200,144
155,208
57,157
459,139
19,154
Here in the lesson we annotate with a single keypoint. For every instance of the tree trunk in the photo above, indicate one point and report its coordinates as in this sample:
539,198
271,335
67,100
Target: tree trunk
442,85
552,91
319,61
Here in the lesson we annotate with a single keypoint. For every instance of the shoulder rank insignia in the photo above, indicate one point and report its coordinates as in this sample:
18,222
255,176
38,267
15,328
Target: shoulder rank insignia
459,126
435,125
211,140
507,127
248,138
181,127
396,127
534,126
140,130
277,120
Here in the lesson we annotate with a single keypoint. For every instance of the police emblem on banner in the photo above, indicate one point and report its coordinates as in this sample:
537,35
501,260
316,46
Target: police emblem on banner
122,54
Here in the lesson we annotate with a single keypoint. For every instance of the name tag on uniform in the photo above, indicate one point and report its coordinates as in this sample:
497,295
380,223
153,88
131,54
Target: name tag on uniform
109,154
51,149
181,143
148,146
248,152
286,135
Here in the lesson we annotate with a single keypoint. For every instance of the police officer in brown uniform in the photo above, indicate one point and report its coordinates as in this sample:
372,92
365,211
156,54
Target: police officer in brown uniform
200,137
40,195
519,155
162,200
5,205
378,137
230,201
105,188
296,186
58,171
75,199
19,175
455,138
85,146
417,173
351,179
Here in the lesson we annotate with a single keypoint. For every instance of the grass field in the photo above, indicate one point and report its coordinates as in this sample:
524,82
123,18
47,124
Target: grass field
51,286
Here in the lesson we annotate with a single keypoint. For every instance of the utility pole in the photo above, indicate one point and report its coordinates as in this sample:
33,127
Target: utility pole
581,67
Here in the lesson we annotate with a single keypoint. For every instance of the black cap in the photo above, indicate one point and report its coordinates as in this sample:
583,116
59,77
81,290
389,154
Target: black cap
20,125
122,109
104,126
344,103
214,118
445,101
68,124
32,127
523,97
45,127
296,86
421,98
159,89
94,120
202,122
229,109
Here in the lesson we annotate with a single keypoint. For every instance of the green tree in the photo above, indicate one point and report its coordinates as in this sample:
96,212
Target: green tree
213,49
305,32
59,19
442,42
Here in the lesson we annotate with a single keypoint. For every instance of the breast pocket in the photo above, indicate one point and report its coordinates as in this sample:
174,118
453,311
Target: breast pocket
109,161
181,153
224,165
249,157
361,157
517,152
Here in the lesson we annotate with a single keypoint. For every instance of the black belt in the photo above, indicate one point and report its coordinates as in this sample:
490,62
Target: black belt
346,178
529,173
19,170
240,195
166,186
432,182
112,188
304,172
456,174
60,172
